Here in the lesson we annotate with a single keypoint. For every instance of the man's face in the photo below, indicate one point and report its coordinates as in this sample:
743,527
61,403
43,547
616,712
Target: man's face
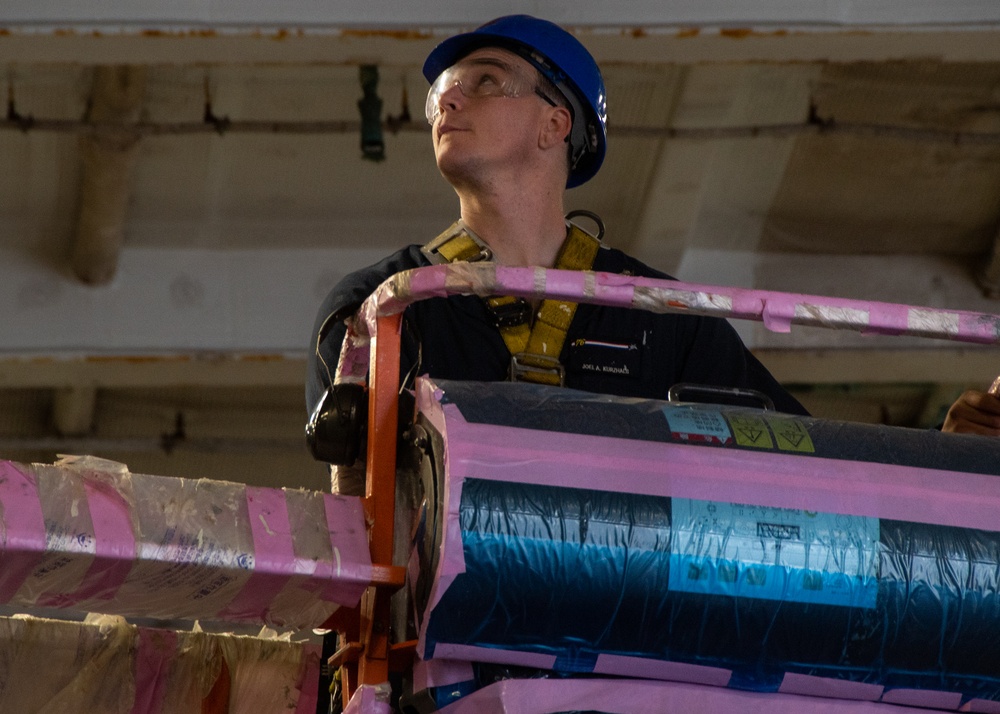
485,115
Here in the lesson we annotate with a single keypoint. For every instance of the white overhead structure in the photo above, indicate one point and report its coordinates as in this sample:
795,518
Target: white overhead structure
456,13
183,183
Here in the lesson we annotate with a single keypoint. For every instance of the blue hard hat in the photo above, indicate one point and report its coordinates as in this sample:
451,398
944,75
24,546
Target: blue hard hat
562,59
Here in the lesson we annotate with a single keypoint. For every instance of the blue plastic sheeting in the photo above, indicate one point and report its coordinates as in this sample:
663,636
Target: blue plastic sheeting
761,592
576,573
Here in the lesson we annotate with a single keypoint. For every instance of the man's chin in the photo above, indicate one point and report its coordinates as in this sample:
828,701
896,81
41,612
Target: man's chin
457,172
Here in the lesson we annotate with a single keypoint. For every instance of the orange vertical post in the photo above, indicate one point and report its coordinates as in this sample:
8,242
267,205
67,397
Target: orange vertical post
380,493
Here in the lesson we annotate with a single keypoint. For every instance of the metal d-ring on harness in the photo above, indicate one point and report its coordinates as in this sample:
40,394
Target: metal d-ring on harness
534,344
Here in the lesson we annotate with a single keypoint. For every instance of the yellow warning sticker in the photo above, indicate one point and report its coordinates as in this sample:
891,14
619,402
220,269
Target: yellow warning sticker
750,430
790,434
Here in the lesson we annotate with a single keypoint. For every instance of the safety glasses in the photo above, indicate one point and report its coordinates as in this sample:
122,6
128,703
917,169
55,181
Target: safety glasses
481,78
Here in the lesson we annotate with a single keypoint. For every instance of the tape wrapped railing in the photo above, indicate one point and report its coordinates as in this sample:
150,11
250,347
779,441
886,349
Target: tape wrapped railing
778,311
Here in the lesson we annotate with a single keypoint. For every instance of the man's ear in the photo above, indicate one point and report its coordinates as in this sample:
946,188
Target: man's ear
556,130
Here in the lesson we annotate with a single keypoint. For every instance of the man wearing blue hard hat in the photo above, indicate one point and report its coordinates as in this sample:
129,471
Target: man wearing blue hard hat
518,115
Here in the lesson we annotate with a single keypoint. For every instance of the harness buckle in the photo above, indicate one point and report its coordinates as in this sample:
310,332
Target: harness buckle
511,314
541,370
458,243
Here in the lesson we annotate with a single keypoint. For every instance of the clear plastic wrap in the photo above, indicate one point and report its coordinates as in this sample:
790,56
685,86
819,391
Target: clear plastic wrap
87,535
107,666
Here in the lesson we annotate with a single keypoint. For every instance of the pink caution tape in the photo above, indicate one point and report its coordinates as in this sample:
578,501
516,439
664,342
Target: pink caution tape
273,555
22,529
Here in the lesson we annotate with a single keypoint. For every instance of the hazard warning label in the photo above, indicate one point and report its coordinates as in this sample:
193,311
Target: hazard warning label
790,434
750,430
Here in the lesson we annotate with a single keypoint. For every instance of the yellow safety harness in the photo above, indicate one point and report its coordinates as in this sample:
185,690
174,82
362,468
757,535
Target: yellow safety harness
534,344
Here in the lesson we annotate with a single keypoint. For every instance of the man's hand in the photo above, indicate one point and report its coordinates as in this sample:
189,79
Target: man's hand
974,413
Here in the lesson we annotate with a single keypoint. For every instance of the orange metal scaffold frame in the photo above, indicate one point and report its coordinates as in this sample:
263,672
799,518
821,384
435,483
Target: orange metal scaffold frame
367,654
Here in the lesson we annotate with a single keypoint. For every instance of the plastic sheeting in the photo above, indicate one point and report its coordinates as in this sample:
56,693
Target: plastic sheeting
89,536
107,666
604,696
585,534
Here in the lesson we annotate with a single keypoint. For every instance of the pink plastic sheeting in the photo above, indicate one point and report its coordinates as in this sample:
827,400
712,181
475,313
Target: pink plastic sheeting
623,696
109,666
778,311
370,699
89,536
491,452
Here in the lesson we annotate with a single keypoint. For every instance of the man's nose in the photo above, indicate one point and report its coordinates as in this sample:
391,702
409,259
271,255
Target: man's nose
452,97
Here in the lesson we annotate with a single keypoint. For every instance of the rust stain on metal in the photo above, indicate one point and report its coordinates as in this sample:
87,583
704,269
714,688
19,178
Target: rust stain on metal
154,359
184,33
392,34
136,359
260,358
685,33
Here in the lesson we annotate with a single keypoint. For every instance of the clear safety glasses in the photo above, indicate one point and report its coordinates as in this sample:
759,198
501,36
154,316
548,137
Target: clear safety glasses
481,79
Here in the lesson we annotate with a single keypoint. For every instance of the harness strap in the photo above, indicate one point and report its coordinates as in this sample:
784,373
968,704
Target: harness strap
535,345
457,244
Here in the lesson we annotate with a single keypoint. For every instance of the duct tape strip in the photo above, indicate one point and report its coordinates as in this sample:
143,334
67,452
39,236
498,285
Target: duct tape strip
793,683
614,290
645,668
22,538
980,328
521,281
114,543
778,314
622,696
273,555
352,366
349,572
923,698
566,282
493,654
155,655
889,319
